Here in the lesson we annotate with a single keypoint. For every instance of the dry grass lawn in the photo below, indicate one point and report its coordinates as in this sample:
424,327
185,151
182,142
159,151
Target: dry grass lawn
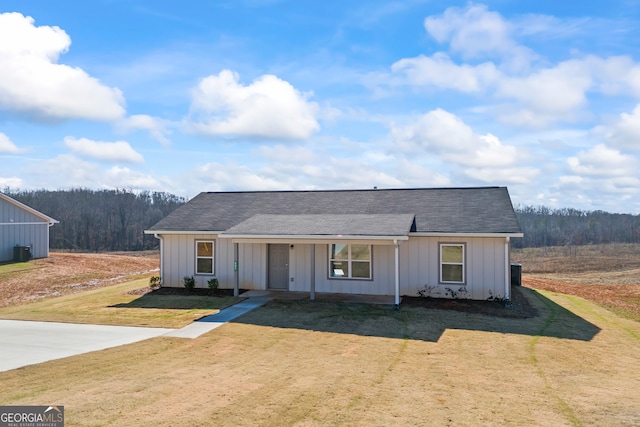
297,363
302,363
120,304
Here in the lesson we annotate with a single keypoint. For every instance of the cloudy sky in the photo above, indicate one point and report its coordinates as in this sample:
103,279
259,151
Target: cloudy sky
191,95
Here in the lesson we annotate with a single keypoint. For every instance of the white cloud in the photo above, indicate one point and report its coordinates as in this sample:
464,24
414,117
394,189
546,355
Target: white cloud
34,84
440,72
603,162
119,177
442,136
625,131
68,171
268,107
157,128
477,32
220,177
6,145
441,133
119,151
10,182
521,175
548,95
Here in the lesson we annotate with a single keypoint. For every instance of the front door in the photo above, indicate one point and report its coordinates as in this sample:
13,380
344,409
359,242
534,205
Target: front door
278,270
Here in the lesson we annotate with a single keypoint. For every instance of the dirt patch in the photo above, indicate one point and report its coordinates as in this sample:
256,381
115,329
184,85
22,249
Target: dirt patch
67,273
623,299
518,308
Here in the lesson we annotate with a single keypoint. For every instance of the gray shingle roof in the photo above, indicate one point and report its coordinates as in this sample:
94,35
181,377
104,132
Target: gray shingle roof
436,210
325,225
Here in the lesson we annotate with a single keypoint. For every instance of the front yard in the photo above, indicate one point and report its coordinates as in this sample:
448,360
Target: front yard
323,363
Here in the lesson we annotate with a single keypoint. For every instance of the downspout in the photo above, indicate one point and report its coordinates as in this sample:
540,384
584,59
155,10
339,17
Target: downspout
397,287
507,270
159,237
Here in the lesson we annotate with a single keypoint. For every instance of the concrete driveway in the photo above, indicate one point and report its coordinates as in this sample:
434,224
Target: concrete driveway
25,343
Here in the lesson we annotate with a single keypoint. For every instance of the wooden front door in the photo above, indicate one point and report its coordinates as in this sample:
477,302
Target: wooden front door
278,270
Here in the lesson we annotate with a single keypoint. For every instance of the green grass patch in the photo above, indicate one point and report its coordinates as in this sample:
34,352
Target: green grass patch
16,266
114,305
627,307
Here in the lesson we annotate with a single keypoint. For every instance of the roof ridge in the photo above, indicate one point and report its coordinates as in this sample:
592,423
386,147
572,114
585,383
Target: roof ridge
344,190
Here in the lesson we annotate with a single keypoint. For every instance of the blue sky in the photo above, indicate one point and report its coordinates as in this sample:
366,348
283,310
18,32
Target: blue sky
190,96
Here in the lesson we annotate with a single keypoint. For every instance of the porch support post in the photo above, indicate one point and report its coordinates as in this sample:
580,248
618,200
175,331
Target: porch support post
507,270
397,288
236,272
312,279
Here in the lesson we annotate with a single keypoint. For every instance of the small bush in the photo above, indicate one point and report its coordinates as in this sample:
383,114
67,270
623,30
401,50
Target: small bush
154,282
189,283
213,284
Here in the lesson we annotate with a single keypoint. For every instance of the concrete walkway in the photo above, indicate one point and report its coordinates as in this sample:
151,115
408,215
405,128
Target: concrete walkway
214,321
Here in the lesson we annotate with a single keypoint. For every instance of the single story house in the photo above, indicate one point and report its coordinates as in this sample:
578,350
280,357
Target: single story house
24,229
446,242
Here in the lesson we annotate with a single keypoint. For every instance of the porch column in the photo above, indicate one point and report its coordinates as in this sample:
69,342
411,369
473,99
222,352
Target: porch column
397,253
236,272
312,279
507,270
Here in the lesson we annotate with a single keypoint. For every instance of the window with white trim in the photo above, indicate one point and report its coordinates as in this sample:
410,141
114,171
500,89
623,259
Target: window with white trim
452,268
349,261
204,256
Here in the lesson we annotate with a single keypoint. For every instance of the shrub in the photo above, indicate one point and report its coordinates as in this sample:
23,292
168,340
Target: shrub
213,284
189,282
154,282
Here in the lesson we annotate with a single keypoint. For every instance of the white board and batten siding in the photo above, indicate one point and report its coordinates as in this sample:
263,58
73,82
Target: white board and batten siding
19,227
179,261
484,267
419,266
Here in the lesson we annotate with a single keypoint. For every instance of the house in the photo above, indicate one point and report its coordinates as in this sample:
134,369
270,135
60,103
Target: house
23,231
448,242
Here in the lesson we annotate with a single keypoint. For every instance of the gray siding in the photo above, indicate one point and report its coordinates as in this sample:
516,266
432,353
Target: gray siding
22,228
419,268
484,263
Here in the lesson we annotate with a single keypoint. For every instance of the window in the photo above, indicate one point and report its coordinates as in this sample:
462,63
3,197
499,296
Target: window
204,256
349,261
452,263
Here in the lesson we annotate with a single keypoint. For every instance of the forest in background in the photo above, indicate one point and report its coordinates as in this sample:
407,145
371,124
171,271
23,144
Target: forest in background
114,220
100,220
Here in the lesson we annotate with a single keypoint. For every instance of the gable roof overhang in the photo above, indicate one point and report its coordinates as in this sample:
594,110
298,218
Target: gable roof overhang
29,209
322,228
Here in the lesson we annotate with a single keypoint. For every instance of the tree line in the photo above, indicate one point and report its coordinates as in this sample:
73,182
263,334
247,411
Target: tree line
114,220
543,226
100,220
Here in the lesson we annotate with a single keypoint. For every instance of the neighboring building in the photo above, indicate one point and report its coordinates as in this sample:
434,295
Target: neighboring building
22,226
449,242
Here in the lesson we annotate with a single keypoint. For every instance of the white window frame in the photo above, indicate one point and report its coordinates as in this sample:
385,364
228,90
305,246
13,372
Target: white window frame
212,257
463,263
350,262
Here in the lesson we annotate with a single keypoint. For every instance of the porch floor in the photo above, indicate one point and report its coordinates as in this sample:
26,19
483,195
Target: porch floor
321,296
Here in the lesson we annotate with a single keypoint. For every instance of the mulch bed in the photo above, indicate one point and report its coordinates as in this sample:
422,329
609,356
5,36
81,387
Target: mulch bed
519,307
200,292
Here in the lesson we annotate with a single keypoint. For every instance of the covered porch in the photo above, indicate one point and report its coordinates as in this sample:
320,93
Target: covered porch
338,233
